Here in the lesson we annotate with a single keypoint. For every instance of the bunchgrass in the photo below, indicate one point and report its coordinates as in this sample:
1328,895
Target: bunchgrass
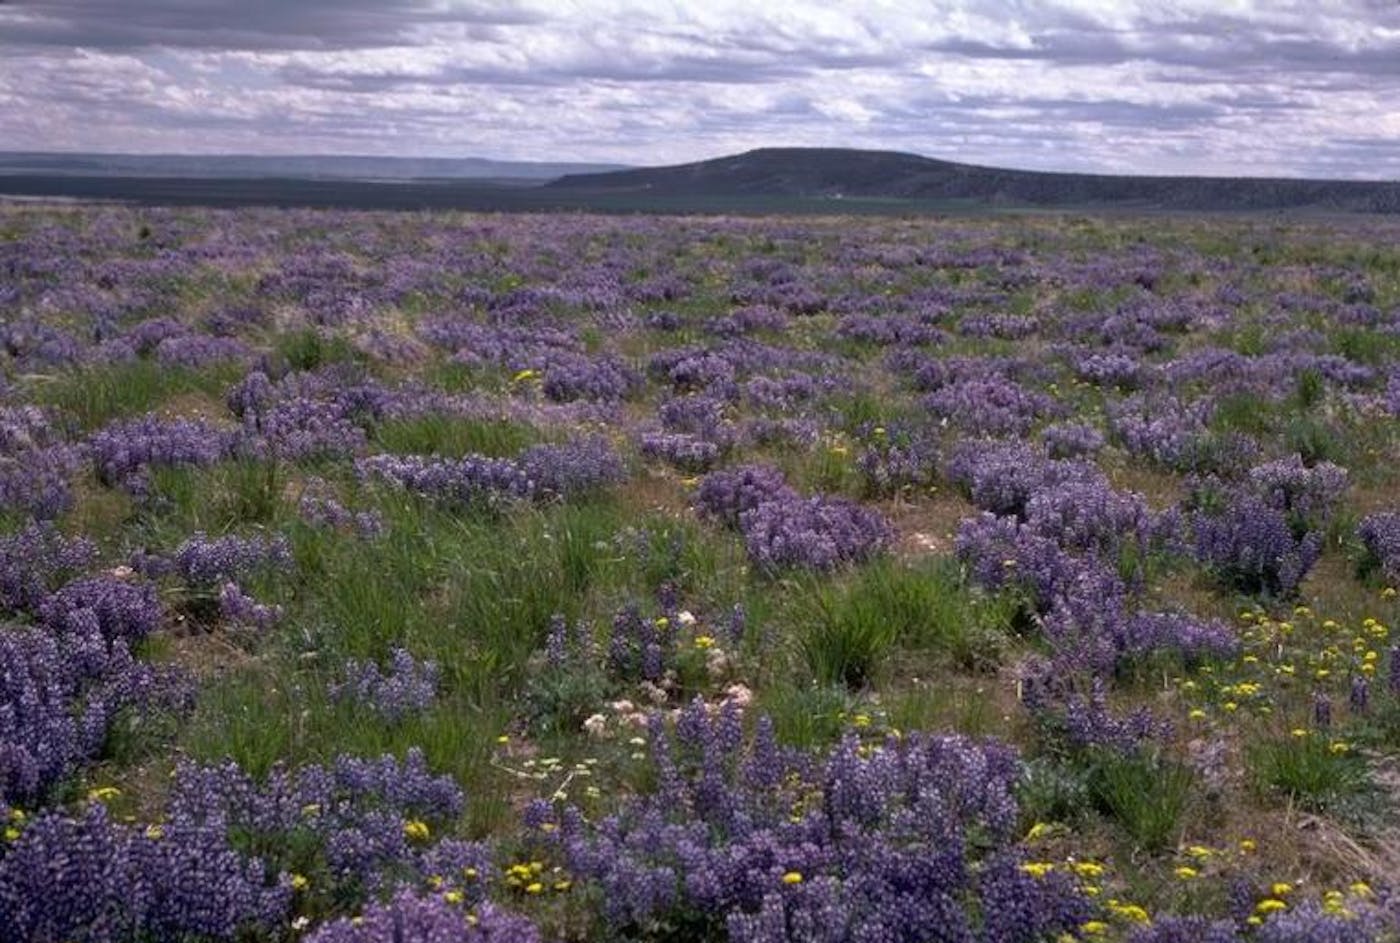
1313,771
453,436
847,630
94,396
1145,793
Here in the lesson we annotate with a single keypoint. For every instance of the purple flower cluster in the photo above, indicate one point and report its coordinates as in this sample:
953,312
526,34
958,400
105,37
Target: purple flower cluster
818,533
569,376
1083,720
319,509
198,350
86,877
788,393
1379,534
300,428
541,473
747,320
204,561
723,496
1072,440
354,811
1251,547
859,844
408,916
1005,326
1001,476
68,677
1309,495
897,459
781,528
1162,428
1106,369
889,330
35,561
38,482
991,406
1086,514
406,686
684,450
238,608
126,447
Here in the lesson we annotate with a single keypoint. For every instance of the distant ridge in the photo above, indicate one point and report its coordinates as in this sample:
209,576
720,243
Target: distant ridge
837,173
308,167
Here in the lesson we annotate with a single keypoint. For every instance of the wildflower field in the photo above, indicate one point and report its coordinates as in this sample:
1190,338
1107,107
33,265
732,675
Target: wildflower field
438,577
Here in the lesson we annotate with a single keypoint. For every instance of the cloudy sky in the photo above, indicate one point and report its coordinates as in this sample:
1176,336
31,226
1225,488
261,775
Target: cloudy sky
1168,86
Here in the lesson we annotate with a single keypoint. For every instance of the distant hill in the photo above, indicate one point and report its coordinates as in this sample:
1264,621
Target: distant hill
765,181
838,173
249,167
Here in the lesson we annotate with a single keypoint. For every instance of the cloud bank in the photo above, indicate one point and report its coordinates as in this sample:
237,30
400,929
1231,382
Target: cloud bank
1223,87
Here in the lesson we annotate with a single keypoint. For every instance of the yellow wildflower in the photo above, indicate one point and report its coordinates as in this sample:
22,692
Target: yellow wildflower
416,830
1131,912
1270,904
792,877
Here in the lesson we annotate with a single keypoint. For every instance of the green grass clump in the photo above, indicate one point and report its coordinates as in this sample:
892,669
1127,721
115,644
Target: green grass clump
454,436
94,396
847,630
310,349
1146,794
1312,771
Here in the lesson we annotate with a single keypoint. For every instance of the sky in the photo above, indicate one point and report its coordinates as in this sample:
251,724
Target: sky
1229,87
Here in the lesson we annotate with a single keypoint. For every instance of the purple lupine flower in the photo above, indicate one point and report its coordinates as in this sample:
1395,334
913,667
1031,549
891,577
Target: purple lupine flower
207,561
125,447
1380,536
818,533
543,472
37,482
684,450
429,918
33,562
319,509
1359,696
406,686
1322,711
725,495
1308,495
1072,440
994,406
1250,546
238,608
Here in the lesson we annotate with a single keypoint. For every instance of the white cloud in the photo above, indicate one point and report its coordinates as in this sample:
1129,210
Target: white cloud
1224,86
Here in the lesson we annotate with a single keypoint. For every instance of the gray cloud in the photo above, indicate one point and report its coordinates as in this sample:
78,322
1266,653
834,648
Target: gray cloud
1276,87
